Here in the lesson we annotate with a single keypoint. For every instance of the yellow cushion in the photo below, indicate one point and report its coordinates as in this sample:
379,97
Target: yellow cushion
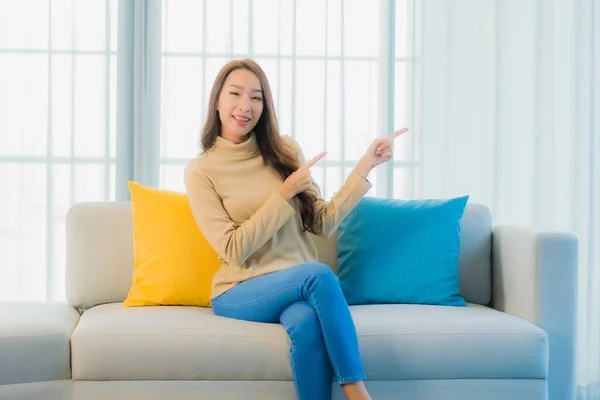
174,264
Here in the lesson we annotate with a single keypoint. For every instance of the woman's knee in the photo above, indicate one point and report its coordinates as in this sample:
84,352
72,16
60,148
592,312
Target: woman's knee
316,277
301,321
320,271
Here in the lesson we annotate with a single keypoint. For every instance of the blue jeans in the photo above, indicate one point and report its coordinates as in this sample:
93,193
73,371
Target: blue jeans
308,301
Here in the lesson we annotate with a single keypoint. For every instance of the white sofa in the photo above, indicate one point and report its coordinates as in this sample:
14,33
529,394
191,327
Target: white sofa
515,340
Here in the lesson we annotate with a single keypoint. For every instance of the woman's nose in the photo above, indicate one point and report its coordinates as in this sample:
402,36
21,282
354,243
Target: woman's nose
244,104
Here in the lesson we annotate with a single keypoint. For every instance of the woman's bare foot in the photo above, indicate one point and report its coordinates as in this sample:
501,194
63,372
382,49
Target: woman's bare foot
356,391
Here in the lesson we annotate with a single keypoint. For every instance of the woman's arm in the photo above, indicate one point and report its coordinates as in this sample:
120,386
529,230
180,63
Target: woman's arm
329,214
233,243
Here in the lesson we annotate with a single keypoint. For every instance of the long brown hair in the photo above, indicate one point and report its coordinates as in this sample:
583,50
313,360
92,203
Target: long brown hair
274,150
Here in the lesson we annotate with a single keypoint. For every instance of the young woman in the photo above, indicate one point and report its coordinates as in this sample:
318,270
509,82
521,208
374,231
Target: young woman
253,197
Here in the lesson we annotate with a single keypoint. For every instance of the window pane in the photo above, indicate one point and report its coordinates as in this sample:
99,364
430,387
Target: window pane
333,181
334,27
279,75
62,105
113,106
310,111
24,24
90,105
63,195
90,182
171,177
310,27
182,25
114,24
283,96
361,28
272,26
405,183
79,124
360,107
23,231
218,29
213,66
403,26
24,104
333,131
318,174
240,30
79,25
73,183
404,146
181,106
271,68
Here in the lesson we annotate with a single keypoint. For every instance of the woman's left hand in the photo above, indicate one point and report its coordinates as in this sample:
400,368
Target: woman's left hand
379,151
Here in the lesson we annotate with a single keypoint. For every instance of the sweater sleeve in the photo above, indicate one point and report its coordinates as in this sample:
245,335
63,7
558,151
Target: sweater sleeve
329,214
233,243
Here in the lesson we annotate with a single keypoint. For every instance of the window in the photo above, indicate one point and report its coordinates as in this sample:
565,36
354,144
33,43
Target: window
342,73
57,133
323,62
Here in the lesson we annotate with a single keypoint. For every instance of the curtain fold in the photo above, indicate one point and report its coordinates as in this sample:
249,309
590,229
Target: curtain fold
509,115
138,94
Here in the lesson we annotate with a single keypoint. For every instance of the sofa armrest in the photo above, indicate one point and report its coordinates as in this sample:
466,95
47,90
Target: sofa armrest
35,341
534,276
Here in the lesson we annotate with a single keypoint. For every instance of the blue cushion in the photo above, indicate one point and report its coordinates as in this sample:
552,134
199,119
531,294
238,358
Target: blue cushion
401,252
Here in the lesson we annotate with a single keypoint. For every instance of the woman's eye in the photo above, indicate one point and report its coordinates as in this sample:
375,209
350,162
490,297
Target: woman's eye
234,93
257,98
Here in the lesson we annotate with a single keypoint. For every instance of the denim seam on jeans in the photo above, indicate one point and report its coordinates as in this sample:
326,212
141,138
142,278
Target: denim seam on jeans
292,348
327,347
341,380
333,364
215,300
351,379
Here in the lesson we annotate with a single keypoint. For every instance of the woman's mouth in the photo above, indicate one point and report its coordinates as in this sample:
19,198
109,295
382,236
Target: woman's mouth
241,121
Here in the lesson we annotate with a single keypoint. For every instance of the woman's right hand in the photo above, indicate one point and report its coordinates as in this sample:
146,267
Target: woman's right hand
300,180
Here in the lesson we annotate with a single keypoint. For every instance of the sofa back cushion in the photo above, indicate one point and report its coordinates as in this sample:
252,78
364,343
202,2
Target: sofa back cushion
474,257
393,251
100,253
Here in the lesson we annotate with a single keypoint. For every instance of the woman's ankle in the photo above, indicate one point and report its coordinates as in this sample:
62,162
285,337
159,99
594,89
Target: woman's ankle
356,391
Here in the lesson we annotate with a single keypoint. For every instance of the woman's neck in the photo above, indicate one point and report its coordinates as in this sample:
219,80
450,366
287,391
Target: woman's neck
235,138
249,147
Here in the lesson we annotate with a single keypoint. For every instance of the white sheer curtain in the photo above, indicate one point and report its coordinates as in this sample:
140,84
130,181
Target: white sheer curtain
510,97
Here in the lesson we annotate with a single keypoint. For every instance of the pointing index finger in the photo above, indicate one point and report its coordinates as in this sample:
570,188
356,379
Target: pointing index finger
316,159
398,133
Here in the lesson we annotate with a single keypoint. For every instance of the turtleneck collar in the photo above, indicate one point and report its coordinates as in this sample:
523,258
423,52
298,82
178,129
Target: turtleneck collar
227,147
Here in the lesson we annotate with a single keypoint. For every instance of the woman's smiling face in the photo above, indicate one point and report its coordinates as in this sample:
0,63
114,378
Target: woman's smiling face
240,105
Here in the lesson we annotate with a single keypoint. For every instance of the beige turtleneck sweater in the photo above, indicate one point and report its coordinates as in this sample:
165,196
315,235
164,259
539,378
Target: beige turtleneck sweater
233,197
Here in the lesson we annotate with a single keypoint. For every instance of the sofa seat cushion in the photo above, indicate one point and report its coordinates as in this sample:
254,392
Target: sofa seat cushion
34,341
112,342
437,342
